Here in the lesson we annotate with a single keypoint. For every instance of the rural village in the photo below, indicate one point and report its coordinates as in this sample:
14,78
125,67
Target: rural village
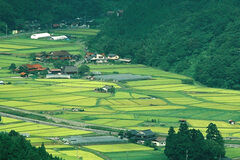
89,87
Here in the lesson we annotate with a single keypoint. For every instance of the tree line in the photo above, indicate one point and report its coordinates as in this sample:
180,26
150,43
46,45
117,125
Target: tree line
197,38
16,13
190,144
13,146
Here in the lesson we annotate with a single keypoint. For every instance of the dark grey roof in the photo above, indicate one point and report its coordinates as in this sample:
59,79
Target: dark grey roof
67,69
112,55
148,132
60,53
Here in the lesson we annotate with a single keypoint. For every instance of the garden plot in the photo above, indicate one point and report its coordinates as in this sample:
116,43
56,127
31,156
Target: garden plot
57,132
121,77
119,147
82,102
11,46
148,108
38,140
17,103
9,120
137,155
57,98
233,152
71,154
205,123
224,99
115,122
44,107
149,102
154,82
183,100
143,71
217,106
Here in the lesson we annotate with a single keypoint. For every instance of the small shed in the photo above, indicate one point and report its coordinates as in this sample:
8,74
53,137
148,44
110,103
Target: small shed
25,134
55,38
232,122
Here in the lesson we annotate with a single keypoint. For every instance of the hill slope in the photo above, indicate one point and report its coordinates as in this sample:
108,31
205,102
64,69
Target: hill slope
195,38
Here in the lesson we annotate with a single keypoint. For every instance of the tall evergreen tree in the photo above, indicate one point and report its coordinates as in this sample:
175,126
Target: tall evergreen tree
213,134
170,148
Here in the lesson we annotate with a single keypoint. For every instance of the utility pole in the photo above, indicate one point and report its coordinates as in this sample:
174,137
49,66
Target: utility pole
186,154
6,30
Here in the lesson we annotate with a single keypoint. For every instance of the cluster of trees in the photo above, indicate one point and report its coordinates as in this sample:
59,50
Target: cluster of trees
190,144
15,146
16,13
198,38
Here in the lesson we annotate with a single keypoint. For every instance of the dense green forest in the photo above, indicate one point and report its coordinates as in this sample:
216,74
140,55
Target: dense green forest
198,38
15,147
191,144
17,13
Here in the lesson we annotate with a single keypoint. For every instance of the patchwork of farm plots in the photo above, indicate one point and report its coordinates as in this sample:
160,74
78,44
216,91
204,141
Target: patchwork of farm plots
153,104
39,133
24,45
134,105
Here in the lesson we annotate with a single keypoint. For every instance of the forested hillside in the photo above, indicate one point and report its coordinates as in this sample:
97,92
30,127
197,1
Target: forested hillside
16,13
199,38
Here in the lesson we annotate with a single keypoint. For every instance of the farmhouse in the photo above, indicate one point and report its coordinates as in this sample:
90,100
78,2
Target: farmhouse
106,89
96,58
140,135
23,74
63,55
70,70
231,122
40,35
159,142
1,83
34,67
55,71
113,57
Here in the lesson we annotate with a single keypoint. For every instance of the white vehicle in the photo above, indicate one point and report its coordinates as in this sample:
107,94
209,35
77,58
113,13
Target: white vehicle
40,35
59,38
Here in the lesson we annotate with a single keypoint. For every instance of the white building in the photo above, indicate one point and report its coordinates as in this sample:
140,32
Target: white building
40,35
59,37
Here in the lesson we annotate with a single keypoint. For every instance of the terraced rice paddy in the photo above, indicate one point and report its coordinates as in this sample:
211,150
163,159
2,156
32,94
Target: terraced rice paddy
153,104
119,147
38,134
37,130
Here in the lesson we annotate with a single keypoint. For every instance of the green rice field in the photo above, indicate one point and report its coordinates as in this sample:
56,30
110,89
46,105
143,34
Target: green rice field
135,104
